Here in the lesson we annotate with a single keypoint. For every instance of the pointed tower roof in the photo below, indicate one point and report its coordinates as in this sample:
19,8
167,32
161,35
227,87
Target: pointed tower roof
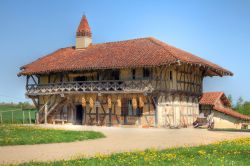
83,28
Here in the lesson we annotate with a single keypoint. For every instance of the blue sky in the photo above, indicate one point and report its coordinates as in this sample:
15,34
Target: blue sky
217,30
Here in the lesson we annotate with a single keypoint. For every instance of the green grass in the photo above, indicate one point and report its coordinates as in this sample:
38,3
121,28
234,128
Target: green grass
236,152
23,135
231,130
6,113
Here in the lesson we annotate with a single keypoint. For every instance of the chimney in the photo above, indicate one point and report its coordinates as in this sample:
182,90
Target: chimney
83,34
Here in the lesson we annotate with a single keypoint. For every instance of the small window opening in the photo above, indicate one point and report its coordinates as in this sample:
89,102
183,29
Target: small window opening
171,75
146,73
133,74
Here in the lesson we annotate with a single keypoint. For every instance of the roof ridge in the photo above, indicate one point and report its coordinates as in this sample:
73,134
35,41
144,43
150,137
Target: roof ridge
120,41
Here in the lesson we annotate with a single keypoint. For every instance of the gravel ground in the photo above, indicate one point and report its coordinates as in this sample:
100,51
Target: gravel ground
118,139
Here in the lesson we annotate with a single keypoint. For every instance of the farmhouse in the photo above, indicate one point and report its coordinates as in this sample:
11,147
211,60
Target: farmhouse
142,82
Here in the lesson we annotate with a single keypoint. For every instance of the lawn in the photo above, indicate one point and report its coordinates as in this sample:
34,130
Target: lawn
19,115
236,152
22,135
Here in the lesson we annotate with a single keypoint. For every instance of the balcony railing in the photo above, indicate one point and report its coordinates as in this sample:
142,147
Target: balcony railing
109,86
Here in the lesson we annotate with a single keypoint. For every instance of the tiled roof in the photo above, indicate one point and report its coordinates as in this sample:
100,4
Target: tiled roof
210,98
142,52
231,112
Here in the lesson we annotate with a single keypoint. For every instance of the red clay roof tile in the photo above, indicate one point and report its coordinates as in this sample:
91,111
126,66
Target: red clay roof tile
210,98
83,28
142,52
229,111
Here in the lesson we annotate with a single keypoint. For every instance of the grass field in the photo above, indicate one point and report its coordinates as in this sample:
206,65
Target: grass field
22,135
19,115
236,152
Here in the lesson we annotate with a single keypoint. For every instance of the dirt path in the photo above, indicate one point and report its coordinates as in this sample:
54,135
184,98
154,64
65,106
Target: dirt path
117,140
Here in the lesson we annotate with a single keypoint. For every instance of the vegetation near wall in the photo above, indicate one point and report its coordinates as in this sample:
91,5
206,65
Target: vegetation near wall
20,105
241,106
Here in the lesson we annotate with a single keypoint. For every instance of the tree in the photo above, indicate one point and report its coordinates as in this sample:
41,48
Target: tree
246,108
239,103
230,98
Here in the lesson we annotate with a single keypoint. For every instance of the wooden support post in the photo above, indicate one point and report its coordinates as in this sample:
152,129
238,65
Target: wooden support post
155,100
45,113
27,82
139,117
110,116
12,117
85,115
97,110
23,117
37,117
97,115
29,117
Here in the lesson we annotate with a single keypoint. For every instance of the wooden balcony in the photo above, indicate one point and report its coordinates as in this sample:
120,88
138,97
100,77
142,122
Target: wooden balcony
110,86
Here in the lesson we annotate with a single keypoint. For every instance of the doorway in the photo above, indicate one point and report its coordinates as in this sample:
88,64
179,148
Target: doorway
79,114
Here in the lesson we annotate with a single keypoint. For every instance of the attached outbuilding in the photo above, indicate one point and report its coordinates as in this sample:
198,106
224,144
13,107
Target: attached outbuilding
217,104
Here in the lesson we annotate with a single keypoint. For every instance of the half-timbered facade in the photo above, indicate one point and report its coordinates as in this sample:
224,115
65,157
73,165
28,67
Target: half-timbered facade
142,82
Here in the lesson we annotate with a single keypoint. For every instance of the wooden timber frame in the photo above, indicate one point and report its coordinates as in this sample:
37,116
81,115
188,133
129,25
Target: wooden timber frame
180,81
100,114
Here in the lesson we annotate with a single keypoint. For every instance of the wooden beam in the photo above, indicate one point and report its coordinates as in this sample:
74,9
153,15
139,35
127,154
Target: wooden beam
155,103
35,103
84,116
110,116
34,79
46,114
97,112
27,81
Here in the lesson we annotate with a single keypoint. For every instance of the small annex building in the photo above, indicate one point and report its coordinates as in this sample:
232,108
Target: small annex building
224,116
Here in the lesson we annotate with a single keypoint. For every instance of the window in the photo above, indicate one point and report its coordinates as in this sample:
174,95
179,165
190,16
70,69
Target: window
80,78
170,75
146,73
139,111
116,74
133,74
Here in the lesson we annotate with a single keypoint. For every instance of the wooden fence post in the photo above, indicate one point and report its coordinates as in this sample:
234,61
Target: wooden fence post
29,117
12,118
23,117
37,117
1,117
